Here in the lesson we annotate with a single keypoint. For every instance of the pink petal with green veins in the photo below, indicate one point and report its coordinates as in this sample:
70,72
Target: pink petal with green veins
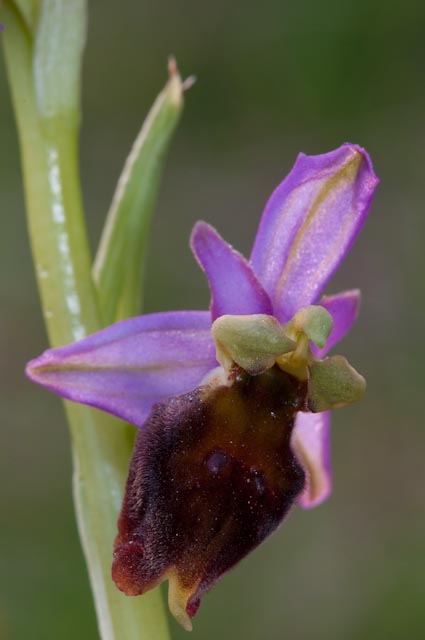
235,289
344,308
311,445
309,224
131,365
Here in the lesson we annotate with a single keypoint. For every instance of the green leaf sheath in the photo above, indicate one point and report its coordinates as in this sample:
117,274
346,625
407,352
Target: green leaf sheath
44,71
119,261
53,198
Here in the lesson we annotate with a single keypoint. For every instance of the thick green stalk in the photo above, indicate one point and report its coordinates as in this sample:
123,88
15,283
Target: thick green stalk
48,132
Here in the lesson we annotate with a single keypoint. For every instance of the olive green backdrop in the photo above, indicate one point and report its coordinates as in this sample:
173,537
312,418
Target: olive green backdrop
274,77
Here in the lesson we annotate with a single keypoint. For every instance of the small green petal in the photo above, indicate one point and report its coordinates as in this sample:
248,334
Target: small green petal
334,383
253,342
315,321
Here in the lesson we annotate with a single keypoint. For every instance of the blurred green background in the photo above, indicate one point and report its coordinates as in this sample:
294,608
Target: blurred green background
274,78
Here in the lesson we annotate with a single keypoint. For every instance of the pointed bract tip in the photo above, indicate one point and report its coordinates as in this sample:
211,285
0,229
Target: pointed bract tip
174,86
172,66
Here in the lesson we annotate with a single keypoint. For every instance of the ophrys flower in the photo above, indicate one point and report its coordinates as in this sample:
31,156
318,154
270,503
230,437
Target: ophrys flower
233,402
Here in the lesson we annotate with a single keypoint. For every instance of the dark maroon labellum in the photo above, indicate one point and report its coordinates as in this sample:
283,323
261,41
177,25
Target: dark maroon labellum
212,475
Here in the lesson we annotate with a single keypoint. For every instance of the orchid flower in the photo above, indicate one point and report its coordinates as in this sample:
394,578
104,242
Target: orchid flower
232,403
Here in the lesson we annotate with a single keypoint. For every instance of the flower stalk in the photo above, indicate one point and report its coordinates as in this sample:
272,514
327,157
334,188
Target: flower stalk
43,67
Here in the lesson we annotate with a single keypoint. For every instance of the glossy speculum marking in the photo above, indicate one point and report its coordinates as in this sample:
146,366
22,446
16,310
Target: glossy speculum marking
212,475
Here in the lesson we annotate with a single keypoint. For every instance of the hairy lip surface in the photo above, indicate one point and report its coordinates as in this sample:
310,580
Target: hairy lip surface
212,475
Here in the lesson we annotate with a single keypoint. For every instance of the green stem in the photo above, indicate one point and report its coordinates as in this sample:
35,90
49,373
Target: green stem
101,446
